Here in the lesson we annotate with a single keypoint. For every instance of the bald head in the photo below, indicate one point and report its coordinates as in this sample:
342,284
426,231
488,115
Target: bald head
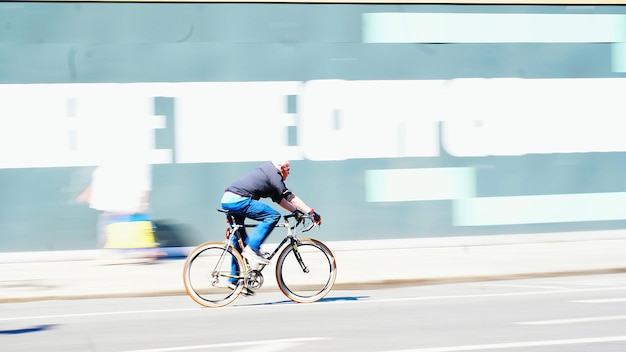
283,166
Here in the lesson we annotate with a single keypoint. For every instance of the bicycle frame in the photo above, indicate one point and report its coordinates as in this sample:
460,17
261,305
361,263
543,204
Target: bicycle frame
290,238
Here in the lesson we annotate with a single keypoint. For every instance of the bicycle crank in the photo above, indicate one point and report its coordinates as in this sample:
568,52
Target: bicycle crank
254,279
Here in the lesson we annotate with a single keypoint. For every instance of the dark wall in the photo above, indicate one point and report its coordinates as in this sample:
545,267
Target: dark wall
46,44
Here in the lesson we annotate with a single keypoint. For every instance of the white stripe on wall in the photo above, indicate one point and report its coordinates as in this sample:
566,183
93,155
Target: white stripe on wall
492,28
396,185
539,209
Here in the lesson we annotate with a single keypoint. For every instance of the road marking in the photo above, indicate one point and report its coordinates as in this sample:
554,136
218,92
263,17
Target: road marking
605,300
523,286
261,345
486,295
594,283
571,321
93,314
584,283
497,346
287,304
282,346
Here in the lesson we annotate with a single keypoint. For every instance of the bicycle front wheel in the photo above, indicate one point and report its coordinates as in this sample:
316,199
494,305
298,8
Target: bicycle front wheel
208,271
307,271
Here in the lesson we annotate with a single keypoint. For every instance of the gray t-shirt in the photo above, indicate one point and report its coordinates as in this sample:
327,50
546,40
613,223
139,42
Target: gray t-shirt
264,181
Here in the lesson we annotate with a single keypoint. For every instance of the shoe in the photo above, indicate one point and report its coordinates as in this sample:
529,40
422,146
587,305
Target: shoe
251,254
246,291
252,265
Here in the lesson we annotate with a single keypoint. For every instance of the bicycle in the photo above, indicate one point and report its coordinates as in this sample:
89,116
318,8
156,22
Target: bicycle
305,269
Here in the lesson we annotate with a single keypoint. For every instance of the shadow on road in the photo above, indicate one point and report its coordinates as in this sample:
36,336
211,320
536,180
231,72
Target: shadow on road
27,330
328,299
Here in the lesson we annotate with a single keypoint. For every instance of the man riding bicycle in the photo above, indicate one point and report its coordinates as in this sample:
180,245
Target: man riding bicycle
242,199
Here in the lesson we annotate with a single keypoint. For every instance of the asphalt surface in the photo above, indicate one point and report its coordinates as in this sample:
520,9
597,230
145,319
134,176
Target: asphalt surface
32,276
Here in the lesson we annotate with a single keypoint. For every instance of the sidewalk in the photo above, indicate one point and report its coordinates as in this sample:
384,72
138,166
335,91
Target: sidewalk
74,275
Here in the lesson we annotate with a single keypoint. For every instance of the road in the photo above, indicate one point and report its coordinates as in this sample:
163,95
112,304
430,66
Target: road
575,313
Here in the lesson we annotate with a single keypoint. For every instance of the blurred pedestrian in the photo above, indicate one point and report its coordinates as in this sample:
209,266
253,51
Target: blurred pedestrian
120,190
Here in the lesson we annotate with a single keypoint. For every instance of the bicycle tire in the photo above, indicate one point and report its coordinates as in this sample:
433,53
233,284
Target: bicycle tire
311,286
207,272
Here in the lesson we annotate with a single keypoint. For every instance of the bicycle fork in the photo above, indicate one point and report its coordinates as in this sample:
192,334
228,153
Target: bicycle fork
294,247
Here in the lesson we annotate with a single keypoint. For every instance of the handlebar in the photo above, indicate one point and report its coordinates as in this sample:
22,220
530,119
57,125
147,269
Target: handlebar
301,219
296,214
310,226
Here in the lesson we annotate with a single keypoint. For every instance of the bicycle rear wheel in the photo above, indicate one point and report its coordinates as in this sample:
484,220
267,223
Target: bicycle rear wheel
208,271
306,273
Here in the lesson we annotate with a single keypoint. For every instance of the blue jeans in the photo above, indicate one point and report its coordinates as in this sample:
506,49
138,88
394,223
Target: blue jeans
267,217
255,210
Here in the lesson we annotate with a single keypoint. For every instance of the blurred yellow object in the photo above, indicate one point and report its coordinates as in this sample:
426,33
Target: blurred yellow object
133,231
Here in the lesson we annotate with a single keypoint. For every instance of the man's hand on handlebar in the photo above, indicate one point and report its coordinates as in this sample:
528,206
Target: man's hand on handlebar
297,214
316,217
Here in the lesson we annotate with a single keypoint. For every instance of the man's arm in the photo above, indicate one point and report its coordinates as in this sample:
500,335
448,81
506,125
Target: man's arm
295,203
